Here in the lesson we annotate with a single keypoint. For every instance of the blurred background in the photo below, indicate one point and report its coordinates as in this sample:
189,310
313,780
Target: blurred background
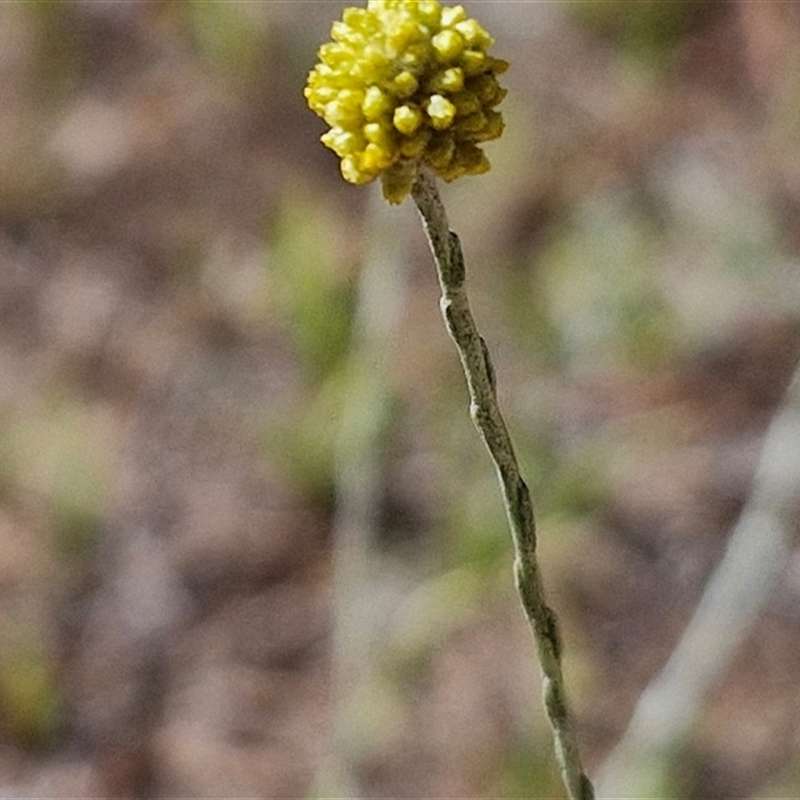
181,273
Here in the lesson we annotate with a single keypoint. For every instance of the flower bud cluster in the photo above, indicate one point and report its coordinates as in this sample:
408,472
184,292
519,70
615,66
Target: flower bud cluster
406,82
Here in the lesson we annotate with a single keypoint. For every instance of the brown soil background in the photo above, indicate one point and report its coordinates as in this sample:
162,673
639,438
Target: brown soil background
176,252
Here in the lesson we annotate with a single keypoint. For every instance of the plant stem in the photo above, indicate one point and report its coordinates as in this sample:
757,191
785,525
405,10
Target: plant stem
485,413
759,550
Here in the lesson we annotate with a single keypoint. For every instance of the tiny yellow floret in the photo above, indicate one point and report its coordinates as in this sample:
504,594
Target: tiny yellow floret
376,103
441,111
405,83
452,15
450,80
448,45
407,119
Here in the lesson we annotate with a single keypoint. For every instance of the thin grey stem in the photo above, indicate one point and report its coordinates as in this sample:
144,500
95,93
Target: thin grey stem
758,551
485,413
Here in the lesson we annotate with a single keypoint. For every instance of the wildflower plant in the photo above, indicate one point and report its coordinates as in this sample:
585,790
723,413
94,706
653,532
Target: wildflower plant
410,93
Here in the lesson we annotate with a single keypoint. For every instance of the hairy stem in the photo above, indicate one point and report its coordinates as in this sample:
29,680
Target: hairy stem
485,413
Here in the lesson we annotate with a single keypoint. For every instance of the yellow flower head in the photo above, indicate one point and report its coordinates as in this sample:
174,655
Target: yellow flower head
406,82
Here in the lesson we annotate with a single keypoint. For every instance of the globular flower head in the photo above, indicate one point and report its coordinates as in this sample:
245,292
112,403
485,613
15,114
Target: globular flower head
407,82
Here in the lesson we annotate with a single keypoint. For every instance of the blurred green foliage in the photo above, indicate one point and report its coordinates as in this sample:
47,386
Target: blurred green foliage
226,34
30,704
312,262
56,451
63,51
530,764
601,287
647,30
311,266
